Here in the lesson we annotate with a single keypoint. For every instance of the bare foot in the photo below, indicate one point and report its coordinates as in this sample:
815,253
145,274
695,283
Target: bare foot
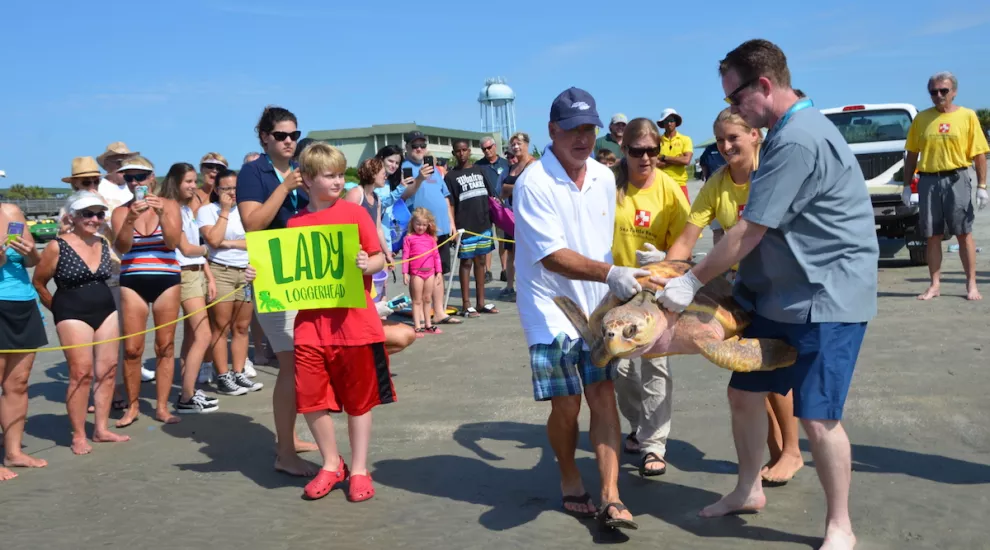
6,474
932,292
783,469
81,446
130,417
305,446
91,409
295,466
972,293
166,417
838,539
109,437
734,503
22,460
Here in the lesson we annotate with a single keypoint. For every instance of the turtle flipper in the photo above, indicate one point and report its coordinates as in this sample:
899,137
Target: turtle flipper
578,318
749,354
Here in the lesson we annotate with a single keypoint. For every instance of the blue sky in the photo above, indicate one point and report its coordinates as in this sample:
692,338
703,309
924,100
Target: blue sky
177,79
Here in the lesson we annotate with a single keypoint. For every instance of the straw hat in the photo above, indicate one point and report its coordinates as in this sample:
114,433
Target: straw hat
83,167
115,149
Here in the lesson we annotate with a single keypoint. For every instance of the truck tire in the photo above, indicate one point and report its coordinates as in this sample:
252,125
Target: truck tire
919,256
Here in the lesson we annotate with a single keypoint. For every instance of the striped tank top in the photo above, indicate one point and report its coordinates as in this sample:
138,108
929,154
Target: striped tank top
149,256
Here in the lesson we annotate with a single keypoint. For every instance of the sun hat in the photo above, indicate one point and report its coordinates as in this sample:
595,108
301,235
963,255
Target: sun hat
667,113
137,162
213,158
115,149
83,167
86,199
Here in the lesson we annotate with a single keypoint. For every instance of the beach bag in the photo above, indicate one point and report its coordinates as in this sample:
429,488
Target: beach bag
400,224
502,217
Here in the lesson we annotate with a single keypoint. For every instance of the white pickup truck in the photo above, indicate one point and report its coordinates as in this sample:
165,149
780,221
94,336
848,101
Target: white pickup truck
876,134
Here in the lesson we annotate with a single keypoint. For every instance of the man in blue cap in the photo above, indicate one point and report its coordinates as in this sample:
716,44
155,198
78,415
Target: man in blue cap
565,214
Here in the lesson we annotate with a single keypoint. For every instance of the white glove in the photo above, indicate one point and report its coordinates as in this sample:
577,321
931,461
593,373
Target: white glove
679,292
622,281
383,309
982,197
649,256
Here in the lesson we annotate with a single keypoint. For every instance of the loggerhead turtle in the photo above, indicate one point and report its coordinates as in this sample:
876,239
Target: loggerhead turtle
710,326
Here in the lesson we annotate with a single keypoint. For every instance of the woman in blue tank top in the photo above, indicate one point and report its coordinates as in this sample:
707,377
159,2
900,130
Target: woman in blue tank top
21,328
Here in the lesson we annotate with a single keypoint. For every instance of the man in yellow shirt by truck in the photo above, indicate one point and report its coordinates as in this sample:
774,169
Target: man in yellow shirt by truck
949,140
676,149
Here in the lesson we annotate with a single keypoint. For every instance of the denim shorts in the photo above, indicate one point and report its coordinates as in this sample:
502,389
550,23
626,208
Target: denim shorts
563,368
823,371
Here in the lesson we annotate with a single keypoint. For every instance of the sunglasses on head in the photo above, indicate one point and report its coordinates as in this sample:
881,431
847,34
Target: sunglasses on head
939,91
731,98
87,214
131,178
638,152
280,136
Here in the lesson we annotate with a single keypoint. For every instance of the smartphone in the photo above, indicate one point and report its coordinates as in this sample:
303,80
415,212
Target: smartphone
14,230
406,173
140,192
428,159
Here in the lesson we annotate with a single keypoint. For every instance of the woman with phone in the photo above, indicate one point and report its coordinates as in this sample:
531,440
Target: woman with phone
147,231
85,312
390,195
20,328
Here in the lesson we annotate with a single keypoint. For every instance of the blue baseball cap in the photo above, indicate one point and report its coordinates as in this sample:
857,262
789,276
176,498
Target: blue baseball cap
574,107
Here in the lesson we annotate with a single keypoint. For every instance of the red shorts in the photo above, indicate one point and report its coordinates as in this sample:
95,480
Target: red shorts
352,378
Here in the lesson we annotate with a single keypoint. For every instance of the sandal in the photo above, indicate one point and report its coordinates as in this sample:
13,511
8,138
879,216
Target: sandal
471,313
360,488
325,481
433,330
419,332
580,499
615,523
489,308
631,438
119,405
448,320
652,458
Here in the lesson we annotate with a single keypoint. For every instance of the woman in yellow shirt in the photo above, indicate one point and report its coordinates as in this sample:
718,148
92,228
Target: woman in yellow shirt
723,198
650,209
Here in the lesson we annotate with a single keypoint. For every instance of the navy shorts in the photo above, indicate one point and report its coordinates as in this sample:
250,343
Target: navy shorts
563,368
821,376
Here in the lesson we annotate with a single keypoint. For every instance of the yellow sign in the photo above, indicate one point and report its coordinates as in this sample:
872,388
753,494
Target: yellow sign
309,267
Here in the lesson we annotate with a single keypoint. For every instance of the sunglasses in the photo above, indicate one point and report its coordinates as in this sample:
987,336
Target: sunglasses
214,167
939,91
638,152
731,98
418,146
88,182
87,214
492,146
131,178
280,136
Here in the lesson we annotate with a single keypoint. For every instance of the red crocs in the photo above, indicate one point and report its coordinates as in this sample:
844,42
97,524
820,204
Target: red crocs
360,488
325,481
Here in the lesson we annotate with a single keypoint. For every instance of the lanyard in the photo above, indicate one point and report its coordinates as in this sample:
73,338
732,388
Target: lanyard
293,196
800,105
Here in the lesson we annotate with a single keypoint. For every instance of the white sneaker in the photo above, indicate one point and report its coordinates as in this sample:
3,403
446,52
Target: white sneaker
205,373
249,369
147,375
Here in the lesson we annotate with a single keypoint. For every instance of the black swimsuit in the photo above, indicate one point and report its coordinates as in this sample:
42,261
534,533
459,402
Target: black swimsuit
82,294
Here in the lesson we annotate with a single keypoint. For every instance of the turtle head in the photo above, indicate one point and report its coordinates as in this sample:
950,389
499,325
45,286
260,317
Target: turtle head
632,328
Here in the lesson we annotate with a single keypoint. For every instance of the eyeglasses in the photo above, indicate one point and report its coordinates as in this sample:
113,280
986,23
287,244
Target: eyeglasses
131,178
939,91
227,189
638,152
417,146
87,214
492,146
280,136
731,98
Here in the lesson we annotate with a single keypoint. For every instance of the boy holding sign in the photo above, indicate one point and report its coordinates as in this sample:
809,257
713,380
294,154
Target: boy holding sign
341,362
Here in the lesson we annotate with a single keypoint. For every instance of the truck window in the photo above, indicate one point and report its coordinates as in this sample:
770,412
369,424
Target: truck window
872,126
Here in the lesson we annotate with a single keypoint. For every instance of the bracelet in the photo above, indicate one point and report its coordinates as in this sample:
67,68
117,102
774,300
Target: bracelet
223,217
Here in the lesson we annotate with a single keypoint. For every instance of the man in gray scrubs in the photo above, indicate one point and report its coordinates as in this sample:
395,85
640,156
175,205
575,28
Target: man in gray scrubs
808,274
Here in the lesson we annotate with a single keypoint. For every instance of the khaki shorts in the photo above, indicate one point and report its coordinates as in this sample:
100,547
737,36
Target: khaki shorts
227,279
193,284
279,327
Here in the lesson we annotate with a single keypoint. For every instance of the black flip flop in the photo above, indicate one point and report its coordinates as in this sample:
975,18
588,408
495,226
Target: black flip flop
615,523
580,499
650,458
625,448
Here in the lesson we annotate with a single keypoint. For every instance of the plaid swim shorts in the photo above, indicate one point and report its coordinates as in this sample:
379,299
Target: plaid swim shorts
564,368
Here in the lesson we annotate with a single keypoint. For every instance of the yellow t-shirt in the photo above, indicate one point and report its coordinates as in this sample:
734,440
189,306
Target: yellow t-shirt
721,199
655,215
946,141
675,147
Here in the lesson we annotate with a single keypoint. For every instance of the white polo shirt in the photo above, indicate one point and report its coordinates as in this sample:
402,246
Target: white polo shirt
552,214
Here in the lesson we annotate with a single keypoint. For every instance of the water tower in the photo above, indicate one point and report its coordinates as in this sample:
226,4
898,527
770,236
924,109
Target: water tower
498,108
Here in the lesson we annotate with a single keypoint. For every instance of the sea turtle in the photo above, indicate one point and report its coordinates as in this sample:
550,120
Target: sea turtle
710,326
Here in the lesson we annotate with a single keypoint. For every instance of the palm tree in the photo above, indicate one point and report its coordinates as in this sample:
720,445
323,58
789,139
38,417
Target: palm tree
984,116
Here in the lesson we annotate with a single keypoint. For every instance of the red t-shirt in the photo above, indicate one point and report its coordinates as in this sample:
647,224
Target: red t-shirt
341,326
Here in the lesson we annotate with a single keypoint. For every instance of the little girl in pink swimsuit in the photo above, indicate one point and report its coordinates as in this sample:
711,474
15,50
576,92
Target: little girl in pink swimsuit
420,245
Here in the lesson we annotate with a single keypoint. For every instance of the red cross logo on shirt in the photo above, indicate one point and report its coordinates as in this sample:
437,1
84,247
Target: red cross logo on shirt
642,218
944,128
